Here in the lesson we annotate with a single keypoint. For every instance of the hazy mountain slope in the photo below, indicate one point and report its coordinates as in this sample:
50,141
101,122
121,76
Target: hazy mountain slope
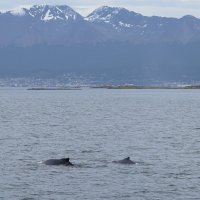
113,43
119,61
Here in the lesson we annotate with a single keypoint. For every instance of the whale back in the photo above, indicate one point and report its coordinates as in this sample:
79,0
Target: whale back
125,161
62,161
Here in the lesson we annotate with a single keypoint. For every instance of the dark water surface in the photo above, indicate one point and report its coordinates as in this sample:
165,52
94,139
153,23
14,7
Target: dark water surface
159,129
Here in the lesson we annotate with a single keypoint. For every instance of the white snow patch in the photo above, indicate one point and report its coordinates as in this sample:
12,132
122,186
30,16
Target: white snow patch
48,16
3,11
58,17
102,8
97,17
99,14
31,14
59,9
18,12
125,25
28,7
115,12
142,26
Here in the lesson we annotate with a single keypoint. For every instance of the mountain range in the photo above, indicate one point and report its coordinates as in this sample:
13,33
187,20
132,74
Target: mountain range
43,40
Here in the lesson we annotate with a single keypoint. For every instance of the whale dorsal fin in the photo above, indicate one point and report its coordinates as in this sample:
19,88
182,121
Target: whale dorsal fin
128,158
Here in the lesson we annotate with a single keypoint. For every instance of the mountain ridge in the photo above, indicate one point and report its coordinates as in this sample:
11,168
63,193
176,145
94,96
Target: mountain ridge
27,7
112,42
40,24
103,24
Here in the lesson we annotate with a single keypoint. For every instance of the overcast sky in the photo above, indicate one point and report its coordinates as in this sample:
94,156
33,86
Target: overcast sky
170,8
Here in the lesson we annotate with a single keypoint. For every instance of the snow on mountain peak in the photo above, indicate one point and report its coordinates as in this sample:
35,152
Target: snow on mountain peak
119,18
46,12
104,13
107,8
19,11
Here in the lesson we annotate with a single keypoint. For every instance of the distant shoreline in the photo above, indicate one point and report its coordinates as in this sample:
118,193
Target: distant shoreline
145,87
56,88
118,87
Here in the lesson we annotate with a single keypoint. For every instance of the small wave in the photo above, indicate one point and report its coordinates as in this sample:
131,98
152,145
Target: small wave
87,166
54,125
34,124
101,166
89,151
82,166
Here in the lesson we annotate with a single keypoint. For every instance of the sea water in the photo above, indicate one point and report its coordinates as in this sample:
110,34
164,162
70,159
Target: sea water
158,129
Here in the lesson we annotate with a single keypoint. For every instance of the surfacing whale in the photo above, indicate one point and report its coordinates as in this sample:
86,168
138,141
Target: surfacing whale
62,161
125,161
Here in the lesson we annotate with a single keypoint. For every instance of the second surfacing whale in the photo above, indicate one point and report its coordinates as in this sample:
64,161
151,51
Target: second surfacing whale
125,161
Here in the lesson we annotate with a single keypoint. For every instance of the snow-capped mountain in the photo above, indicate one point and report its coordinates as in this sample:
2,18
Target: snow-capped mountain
137,28
44,24
56,39
46,12
118,18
